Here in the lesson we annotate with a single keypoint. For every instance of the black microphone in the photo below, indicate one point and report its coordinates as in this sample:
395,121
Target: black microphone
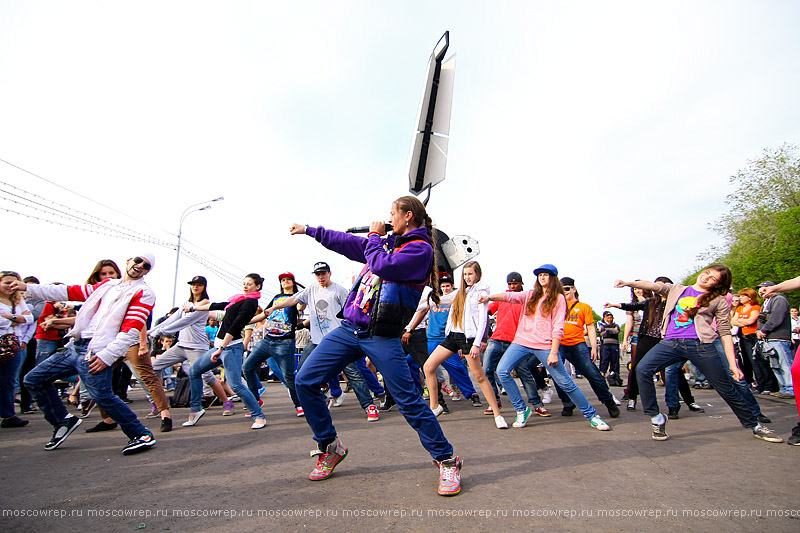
365,229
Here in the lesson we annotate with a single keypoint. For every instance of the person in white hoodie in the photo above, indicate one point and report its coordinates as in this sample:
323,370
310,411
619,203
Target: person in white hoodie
465,328
109,322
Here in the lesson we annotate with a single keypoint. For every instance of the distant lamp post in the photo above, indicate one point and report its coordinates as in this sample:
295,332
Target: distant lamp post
202,206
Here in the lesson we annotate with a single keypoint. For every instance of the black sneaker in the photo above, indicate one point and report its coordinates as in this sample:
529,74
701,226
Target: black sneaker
166,425
140,443
13,422
763,419
61,433
102,426
613,410
660,431
28,410
695,408
445,409
673,413
794,439
387,405
476,400
87,407
567,411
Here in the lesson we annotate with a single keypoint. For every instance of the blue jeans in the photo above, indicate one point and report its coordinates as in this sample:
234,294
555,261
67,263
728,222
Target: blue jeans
357,381
491,357
283,352
581,358
706,358
9,373
672,384
343,346
784,372
516,353
44,349
360,388
742,387
455,367
66,363
231,360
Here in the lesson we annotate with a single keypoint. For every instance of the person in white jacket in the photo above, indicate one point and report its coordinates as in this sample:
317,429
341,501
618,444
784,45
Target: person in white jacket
109,322
465,329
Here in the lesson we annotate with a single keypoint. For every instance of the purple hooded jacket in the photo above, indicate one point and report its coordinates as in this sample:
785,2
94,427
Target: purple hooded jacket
403,272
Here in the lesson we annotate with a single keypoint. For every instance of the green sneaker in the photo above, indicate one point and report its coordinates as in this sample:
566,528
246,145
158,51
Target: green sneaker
522,418
598,423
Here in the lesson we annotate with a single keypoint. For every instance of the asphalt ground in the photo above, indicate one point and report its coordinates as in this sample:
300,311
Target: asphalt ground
557,474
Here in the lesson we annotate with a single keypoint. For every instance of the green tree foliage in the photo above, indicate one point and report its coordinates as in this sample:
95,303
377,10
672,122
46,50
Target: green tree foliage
762,226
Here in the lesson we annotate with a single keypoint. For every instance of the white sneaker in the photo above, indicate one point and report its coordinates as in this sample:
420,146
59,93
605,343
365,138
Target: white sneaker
500,422
547,395
439,410
259,423
598,423
615,400
338,400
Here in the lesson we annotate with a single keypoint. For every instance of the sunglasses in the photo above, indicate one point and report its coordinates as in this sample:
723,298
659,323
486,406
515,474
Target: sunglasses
139,260
568,288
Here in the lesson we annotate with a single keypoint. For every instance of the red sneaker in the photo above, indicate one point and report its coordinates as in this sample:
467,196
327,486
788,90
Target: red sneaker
541,411
372,414
327,460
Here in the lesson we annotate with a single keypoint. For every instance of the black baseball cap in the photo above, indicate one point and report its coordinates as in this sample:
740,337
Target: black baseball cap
567,281
198,280
444,277
514,277
321,266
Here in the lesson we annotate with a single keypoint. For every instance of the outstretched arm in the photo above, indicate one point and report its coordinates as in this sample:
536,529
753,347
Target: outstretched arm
784,286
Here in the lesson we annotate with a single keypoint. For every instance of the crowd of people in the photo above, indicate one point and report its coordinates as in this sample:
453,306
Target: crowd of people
403,333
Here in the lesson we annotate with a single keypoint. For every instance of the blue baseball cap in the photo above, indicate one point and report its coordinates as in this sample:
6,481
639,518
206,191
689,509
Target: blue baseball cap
546,268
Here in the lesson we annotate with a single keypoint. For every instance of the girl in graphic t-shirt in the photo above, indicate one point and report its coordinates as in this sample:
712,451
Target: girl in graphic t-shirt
689,333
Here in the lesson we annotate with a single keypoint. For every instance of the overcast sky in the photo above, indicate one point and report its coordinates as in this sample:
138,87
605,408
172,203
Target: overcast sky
598,136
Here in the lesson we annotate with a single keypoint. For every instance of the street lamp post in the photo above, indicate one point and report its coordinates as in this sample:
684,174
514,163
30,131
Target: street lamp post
188,211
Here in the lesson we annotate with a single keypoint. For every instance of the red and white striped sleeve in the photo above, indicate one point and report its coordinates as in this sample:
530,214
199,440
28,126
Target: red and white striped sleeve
139,308
81,293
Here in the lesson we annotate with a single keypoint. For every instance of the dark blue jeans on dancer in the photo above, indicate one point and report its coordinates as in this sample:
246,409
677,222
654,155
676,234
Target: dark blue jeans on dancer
705,357
581,358
367,377
343,346
64,364
360,387
742,387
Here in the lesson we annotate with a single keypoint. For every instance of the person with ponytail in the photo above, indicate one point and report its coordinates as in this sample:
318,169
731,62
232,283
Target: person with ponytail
464,331
539,333
228,350
689,333
380,304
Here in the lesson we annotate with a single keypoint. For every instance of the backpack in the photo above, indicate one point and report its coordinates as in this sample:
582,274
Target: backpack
182,395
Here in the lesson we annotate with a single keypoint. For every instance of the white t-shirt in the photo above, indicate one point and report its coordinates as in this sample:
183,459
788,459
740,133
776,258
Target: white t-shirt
323,304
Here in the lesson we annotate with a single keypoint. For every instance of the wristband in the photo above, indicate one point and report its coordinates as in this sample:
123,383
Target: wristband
373,233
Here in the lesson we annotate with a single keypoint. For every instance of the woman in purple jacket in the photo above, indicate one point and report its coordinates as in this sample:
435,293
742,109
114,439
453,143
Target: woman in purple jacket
382,301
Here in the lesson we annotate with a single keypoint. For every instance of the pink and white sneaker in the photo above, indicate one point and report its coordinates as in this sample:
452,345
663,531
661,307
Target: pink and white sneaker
449,476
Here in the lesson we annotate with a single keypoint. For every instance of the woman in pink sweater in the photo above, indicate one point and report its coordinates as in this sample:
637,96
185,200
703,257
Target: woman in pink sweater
539,333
